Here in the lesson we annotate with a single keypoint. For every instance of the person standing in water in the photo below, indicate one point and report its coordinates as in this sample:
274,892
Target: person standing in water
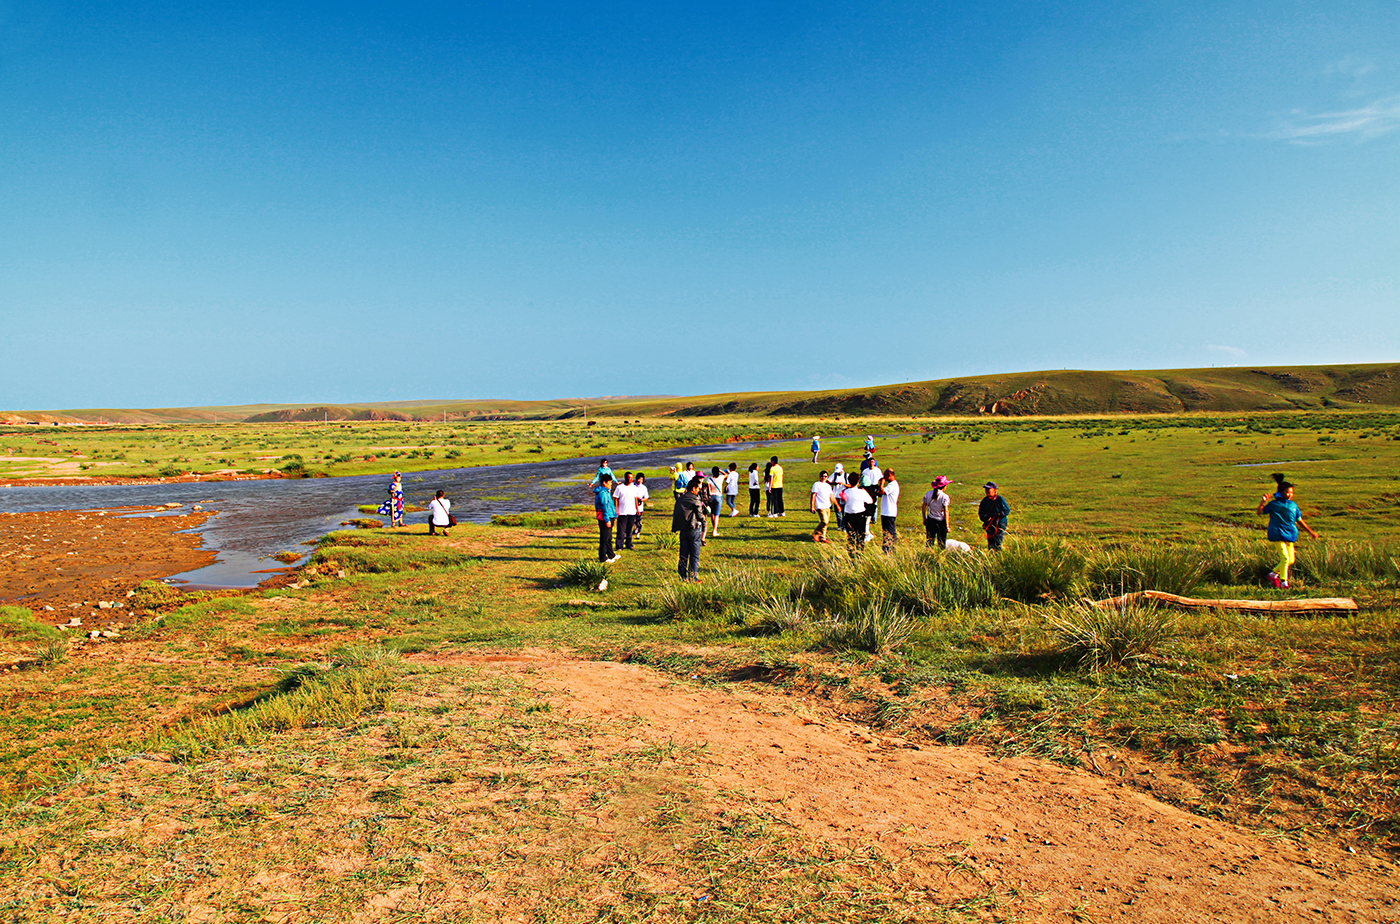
1284,520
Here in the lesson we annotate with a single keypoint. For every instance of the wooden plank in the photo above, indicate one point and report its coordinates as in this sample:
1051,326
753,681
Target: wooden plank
1304,605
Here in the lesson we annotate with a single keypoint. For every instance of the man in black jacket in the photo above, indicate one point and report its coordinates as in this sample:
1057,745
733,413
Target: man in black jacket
688,519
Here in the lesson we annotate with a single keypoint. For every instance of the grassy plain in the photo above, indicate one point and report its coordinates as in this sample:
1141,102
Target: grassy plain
281,714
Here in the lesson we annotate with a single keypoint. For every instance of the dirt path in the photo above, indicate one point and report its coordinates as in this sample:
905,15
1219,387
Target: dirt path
1056,844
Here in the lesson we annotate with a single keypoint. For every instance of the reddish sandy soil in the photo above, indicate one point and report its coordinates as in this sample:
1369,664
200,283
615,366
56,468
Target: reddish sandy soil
59,558
1057,844
72,480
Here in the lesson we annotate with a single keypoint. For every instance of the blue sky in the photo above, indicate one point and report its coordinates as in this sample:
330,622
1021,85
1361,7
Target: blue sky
288,202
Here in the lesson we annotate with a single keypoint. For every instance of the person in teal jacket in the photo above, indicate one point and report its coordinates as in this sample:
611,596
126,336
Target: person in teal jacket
606,512
1284,520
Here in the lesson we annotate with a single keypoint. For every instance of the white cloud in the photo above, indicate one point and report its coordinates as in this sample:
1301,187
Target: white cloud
1233,351
1363,124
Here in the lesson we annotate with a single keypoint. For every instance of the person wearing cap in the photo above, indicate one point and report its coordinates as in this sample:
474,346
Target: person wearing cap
936,507
993,512
816,447
838,484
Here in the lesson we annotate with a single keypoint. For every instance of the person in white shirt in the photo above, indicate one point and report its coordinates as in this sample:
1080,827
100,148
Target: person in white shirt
870,480
855,502
889,509
821,506
755,489
643,495
439,514
936,507
625,497
731,488
838,484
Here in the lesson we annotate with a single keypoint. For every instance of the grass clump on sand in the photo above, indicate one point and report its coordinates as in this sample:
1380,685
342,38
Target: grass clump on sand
337,693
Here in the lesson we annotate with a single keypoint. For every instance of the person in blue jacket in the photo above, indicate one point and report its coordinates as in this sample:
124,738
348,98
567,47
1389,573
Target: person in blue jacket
606,512
1284,520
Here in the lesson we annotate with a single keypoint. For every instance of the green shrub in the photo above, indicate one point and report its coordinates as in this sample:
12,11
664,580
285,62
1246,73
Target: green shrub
383,561
19,624
1109,637
1033,572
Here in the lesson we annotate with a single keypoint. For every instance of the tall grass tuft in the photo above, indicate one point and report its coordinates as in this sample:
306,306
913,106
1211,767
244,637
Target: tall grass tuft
726,591
1343,560
1036,571
586,572
1105,638
920,580
778,614
1173,570
875,625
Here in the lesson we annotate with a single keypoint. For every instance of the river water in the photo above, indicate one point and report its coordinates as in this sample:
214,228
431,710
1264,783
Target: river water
254,520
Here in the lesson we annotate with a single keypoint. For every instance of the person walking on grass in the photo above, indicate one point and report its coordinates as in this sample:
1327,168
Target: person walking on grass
816,447
439,514
606,512
993,511
855,504
731,488
1284,520
821,506
775,481
936,507
643,495
838,484
712,491
889,510
688,519
869,443
755,489
625,500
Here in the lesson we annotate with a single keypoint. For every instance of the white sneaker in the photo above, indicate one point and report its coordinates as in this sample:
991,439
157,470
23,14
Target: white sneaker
613,559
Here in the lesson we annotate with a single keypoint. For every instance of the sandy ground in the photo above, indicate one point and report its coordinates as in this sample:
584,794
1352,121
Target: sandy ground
59,558
1057,844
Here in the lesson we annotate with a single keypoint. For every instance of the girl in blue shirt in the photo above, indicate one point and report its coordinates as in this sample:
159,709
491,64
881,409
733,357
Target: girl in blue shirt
1284,520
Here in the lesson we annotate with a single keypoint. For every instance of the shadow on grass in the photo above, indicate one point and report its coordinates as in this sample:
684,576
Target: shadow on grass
1037,665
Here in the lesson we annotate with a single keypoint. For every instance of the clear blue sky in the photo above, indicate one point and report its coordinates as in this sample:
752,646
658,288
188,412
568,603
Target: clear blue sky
216,203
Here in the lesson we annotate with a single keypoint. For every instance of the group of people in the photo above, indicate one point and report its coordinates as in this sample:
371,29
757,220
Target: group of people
852,499
618,504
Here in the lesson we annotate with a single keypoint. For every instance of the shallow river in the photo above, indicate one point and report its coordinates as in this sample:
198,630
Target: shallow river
257,519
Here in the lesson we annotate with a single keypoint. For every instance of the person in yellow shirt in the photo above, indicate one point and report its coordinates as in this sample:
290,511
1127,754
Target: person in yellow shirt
775,474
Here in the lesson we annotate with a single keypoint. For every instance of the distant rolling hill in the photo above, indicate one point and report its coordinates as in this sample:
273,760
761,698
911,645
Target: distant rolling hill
1060,392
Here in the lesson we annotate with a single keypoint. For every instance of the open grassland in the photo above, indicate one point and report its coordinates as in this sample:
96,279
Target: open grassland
1147,444
341,750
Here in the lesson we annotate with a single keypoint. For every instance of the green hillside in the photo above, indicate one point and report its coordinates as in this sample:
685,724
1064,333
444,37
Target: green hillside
1058,392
